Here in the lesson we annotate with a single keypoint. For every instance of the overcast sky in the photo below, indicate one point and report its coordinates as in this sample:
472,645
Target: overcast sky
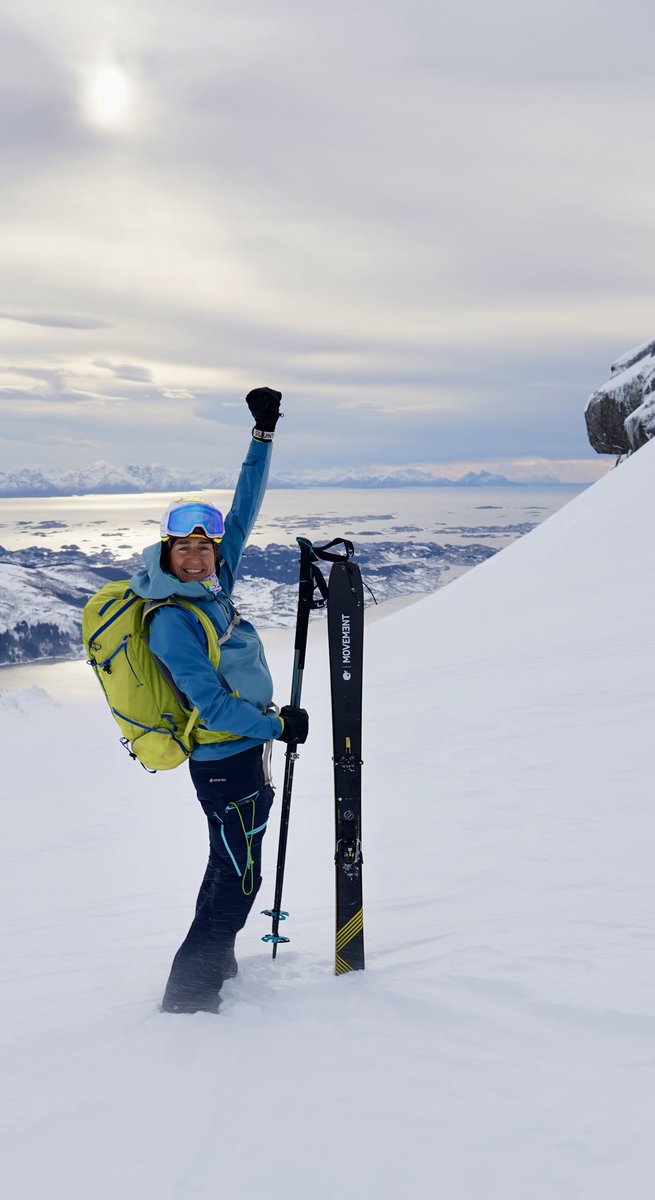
430,223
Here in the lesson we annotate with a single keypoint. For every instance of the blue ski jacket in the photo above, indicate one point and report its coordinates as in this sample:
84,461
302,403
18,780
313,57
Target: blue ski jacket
234,699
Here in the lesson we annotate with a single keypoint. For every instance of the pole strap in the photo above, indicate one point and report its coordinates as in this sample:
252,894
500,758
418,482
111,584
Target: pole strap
323,552
312,579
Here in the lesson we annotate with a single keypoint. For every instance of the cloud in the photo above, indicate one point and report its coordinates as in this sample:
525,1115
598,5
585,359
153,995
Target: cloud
44,397
430,225
54,378
130,371
342,408
56,320
37,113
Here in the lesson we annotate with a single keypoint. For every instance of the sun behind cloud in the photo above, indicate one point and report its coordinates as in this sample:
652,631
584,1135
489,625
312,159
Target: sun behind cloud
108,97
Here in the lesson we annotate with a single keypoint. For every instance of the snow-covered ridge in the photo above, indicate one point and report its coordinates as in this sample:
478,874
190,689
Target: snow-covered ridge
102,478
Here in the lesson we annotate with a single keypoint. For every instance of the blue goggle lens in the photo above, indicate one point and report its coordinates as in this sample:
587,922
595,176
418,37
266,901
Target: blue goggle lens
182,521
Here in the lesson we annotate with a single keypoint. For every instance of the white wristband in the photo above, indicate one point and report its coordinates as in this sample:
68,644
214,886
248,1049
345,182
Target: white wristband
262,435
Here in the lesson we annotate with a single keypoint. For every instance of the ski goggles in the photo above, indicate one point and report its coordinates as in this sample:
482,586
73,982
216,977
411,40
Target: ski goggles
184,516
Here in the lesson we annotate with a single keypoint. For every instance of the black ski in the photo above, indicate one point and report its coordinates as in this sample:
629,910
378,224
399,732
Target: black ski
346,644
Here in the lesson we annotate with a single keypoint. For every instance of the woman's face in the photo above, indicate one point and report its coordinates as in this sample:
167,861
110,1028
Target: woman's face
192,558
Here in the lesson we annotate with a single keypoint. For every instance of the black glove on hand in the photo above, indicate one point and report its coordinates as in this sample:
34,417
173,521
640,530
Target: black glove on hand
296,724
264,404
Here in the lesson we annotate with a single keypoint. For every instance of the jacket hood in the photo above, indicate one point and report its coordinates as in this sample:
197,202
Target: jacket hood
152,583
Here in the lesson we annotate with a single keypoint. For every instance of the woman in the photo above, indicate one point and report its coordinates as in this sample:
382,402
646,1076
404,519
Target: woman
198,559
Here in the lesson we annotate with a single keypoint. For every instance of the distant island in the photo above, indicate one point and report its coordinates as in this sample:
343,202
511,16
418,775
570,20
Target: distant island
102,478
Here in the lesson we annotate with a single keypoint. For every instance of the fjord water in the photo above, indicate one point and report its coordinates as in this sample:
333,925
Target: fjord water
124,524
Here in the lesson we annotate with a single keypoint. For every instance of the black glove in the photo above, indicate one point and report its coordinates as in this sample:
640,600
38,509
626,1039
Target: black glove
296,724
264,404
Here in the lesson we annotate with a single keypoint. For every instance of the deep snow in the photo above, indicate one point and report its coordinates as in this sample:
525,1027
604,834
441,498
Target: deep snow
501,1043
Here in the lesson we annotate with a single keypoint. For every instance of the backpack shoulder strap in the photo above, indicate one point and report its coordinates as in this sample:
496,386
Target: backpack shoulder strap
214,643
213,640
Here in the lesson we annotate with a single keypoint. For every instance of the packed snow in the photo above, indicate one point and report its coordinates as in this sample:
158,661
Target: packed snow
500,1043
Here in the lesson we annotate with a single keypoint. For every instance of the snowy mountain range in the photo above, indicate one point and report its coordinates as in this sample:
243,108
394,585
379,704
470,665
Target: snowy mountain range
102,478
43,591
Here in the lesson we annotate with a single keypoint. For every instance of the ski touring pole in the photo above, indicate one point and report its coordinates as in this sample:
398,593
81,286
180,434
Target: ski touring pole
310,580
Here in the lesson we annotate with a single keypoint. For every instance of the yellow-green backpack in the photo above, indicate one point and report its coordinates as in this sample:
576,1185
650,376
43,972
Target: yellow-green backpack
158,729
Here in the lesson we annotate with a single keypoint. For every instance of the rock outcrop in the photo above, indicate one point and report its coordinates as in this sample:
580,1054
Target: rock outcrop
620,415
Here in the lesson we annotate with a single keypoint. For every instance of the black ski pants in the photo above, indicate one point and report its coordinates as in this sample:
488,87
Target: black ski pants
236,801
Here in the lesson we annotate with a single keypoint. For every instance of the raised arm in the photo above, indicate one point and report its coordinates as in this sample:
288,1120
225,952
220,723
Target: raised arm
264,404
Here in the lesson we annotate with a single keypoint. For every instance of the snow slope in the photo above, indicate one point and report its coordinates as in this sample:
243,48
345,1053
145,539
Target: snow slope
501,1043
